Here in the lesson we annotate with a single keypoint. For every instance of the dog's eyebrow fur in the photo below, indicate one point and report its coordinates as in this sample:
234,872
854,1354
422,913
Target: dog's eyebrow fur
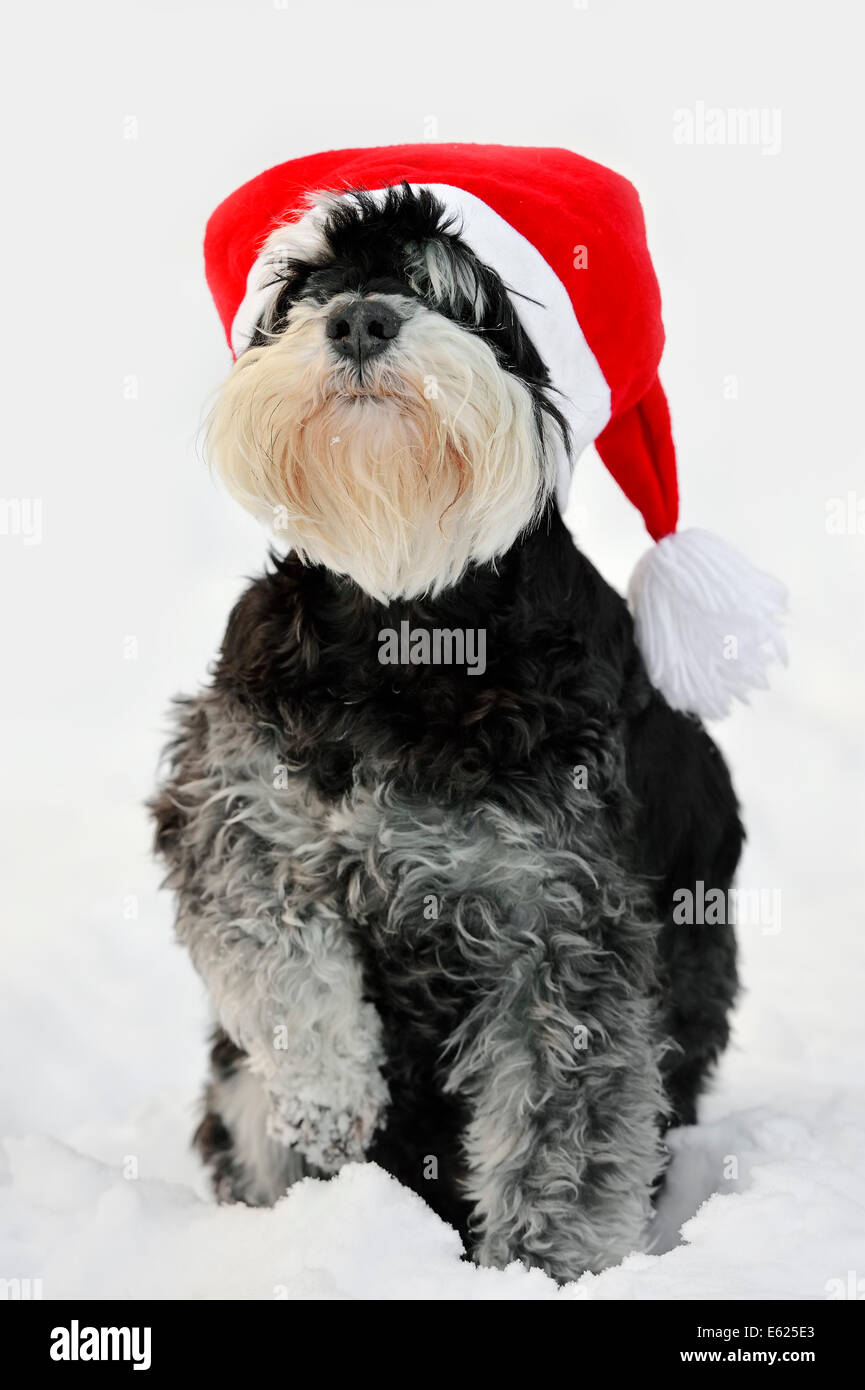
416,213
423,237
447,273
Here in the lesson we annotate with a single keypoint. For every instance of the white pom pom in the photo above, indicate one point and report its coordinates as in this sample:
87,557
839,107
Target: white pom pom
707,622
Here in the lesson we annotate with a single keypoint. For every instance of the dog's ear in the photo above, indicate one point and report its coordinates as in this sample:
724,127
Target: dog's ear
254,643
183,756
269,642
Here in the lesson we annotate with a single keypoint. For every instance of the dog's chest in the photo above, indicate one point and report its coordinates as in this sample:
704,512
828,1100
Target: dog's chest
403,851
395,859
431,890
439,893
423,881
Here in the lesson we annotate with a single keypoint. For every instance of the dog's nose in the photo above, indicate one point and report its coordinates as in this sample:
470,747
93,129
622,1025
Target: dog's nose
362,329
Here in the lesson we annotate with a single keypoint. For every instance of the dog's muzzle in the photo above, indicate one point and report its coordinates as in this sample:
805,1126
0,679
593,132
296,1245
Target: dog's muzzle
363,329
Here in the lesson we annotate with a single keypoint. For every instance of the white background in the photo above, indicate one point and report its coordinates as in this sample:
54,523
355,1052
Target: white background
123,601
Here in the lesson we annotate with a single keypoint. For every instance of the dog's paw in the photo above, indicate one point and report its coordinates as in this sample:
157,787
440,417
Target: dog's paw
328,1136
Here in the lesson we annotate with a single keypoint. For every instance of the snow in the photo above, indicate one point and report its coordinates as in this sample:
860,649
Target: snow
91,1232
123,599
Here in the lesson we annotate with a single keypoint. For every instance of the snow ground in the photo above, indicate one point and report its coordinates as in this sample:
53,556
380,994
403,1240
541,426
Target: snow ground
123,600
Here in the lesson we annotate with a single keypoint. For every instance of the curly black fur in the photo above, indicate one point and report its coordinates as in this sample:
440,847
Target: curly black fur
564,687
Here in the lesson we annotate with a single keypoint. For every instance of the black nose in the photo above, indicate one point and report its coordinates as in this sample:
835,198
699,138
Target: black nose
363,329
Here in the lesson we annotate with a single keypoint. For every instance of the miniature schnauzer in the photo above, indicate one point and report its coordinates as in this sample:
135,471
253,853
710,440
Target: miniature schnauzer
432,899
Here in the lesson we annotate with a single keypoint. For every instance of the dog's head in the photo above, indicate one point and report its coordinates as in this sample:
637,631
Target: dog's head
390,417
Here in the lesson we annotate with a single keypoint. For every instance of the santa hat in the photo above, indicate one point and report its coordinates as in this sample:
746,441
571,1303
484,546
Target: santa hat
567,236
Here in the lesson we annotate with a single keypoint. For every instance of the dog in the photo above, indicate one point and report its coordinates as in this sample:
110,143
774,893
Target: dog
432,898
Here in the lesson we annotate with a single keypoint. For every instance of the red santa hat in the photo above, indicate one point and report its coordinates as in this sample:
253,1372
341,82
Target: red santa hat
568,237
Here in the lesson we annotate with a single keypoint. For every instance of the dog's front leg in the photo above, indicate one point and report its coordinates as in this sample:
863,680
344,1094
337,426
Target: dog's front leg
560,1067
290,994
255,908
